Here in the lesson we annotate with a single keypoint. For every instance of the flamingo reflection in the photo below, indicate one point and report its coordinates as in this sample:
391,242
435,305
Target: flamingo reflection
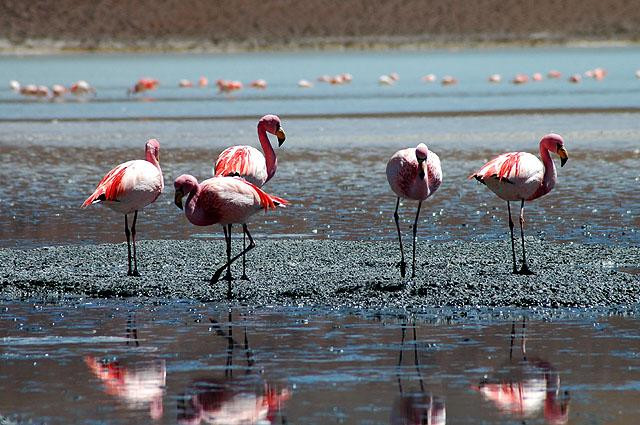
527,386
419,407
138,384
230,400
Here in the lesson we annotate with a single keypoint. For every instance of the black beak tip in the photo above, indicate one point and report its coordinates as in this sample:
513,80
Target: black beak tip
281,141
563,161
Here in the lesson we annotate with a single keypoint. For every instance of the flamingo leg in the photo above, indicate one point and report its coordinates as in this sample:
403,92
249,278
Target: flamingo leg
525,268
244,265
227,240
403,264
133,238
128,234
513,244
218,272
415,239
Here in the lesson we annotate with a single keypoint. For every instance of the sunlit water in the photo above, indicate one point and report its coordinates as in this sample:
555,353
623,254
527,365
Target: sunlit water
124,363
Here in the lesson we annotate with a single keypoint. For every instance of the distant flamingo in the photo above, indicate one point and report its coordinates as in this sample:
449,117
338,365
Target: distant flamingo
520,176
536,76
413,173
429,78
129,187
259,84
81,87
495,78
144,84
225,201
228,86
520,79
448,80
305,84
184,83
554,74
386,80
575,78
203,81
58,90
14,85
249,163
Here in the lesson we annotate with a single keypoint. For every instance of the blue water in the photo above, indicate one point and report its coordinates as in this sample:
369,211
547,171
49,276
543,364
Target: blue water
111,75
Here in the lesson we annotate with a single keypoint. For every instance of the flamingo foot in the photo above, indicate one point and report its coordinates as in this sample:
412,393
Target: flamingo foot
403,268
525,271
134,273
245,277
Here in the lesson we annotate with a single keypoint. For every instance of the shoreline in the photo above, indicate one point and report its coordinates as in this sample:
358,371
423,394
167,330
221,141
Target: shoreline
38,47
343,274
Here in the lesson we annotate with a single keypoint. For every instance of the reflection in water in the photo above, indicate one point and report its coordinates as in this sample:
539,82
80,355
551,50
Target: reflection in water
525,387
230,400
138,384
418,408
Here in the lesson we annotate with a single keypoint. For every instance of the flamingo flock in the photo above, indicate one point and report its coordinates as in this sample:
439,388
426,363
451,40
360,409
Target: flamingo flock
234,193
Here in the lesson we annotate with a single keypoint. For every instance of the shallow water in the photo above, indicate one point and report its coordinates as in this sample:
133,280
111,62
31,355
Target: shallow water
116,363
332,172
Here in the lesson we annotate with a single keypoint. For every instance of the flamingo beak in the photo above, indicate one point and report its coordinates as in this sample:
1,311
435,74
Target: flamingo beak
281,136
178,198
422,165
562,153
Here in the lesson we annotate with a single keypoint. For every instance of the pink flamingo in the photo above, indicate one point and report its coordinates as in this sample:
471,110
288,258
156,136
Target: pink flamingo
129,187
413,173
521,176
249,163
143,85
225,201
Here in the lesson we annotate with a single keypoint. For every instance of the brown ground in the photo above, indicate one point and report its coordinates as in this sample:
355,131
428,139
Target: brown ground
312,23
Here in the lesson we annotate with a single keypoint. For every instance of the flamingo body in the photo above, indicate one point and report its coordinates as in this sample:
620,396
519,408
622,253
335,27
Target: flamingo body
244,161
514,176
403,174
225,200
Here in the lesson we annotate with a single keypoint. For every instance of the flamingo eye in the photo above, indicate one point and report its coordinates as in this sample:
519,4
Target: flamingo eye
558,146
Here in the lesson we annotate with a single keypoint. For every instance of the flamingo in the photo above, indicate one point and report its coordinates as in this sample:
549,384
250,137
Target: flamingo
305,84
429,78
58,90
143,85
386,80
536,76
225,201
520,79
184,83
448,80
129,187
14,85
248,163
575,78
203,81
554,74
413,173
81,87
520,176
259,84
495,78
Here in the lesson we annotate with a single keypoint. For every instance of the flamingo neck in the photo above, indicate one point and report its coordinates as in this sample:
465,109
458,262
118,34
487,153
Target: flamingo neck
269,153
152,159
550,174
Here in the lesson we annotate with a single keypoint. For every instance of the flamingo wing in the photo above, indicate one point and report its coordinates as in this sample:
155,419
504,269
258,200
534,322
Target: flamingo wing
110,187
503,167
233,161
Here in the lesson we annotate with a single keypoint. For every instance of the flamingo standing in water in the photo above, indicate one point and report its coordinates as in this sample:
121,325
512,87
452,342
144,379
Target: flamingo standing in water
250,164
129,187
413,173
225,201
520,176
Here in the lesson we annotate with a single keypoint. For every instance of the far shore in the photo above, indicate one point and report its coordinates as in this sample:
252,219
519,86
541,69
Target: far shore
52,46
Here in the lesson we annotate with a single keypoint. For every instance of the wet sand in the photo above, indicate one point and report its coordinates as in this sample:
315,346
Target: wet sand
334,273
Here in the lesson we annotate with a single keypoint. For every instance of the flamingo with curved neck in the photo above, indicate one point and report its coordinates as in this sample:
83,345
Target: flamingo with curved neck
250,164
521,176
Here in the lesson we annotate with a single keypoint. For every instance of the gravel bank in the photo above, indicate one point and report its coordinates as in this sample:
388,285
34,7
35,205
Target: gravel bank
333,273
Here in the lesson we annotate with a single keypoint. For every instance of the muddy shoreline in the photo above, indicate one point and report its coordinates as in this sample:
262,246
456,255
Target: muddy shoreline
333,273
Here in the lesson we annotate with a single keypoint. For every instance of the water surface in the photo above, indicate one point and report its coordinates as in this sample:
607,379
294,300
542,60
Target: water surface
119,363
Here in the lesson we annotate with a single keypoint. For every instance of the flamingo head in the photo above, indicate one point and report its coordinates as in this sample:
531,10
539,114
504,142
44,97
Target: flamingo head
152,148
555,143
272,124
183,185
